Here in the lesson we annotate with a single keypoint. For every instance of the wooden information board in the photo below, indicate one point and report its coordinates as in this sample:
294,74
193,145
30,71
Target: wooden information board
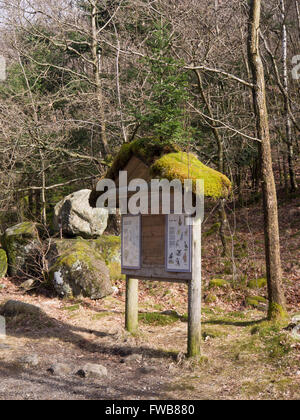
178,244
131,242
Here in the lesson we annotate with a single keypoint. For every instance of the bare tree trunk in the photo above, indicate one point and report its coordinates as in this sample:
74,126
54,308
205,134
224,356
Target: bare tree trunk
96,55
271,228
43,192
298,15
289,140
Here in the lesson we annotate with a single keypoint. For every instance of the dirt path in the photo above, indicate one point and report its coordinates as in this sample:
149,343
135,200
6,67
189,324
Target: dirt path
237,361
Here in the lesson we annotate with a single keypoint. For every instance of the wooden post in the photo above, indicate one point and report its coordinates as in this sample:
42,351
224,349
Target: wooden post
131,310
194,316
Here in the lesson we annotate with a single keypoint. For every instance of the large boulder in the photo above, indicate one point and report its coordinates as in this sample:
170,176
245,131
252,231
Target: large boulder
3,263
76,268
109,247
78,218
21,245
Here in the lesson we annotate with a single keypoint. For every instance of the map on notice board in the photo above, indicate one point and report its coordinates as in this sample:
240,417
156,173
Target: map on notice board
131,241
178,248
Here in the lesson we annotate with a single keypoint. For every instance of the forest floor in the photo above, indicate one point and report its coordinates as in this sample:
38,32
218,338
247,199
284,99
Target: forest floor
243,356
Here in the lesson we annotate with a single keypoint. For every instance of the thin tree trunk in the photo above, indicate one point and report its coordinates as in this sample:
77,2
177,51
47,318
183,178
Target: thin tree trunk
289,141
298,15
271,228
43,192
97,68
279,165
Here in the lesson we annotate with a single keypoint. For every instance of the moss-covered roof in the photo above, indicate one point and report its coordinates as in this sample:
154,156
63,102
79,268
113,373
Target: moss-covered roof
146,149
183,166
167,160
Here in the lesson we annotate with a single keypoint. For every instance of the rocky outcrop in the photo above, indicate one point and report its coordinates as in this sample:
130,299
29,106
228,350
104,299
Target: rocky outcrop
21,244
110,249
77,218
76,268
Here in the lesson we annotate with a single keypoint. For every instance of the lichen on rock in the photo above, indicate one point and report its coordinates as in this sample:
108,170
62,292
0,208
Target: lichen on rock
78,269
20,242
109,247
76,217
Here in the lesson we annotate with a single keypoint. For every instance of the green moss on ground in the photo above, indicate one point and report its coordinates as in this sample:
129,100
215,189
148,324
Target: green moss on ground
210,298
209,332
276,341
72,308
218,283
101,315
156,318
255,301
257,283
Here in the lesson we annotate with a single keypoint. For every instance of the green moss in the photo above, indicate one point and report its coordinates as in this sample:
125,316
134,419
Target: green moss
25,228
218,283
166,160
156,318
241,249
236,314
183,166
101,315
109,247
72,308
146,149
212,230
255,300
3,263
82,270
180,386
115,272
276,312
210,298
228,267
70,252
257,283
14,242
277,342
213,333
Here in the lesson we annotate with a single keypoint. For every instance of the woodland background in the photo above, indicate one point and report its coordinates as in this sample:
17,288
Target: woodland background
83,77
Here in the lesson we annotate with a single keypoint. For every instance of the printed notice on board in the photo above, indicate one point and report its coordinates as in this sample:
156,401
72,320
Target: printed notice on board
131,241
178,244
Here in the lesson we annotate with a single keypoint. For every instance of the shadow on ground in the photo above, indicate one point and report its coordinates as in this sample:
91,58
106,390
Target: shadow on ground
43,326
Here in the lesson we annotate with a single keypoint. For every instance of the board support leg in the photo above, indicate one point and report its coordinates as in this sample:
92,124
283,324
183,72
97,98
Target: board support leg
194,298
131,310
